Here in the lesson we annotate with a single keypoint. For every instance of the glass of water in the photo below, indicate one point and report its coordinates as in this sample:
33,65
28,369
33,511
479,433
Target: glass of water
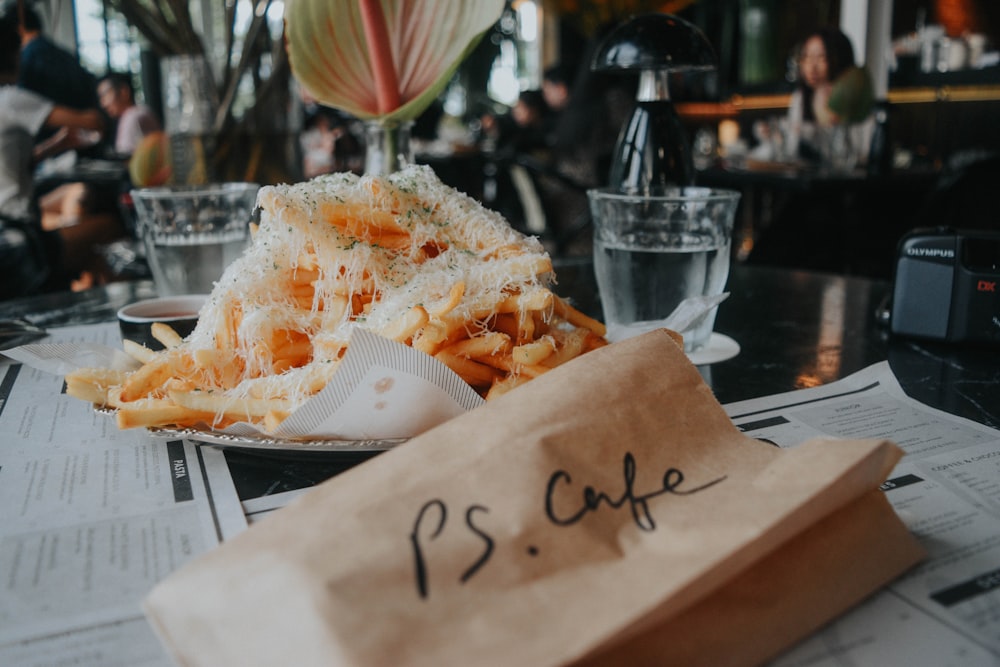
192,233
651,252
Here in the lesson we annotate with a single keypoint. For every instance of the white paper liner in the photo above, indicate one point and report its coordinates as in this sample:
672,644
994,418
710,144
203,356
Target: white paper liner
381,390
62,358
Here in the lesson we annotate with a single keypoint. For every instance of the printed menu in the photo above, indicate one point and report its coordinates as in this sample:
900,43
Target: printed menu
946,489
93,518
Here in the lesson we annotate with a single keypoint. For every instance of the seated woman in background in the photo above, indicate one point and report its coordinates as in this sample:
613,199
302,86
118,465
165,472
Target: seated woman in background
829,79
830,125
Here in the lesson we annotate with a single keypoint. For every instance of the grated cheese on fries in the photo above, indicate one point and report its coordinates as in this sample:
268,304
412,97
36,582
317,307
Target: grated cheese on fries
403,256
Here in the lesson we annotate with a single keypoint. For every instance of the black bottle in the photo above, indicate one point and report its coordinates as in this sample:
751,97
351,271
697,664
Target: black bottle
880,152
653,150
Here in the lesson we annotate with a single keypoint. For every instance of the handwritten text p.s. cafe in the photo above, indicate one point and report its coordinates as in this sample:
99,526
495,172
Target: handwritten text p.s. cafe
566,504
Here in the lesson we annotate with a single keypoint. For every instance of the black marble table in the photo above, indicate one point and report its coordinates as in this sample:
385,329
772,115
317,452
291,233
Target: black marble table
796,329
799,329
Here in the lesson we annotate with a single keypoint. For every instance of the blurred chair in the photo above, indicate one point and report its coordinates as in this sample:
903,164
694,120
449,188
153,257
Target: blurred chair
540,200
966,193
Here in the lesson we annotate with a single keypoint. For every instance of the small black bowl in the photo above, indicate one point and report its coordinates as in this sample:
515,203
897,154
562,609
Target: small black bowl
179,312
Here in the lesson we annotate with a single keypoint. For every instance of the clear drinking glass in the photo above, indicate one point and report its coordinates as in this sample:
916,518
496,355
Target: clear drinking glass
651,252
192,233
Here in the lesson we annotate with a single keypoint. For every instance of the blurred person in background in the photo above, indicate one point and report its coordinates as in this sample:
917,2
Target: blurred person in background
327,141
133,121
31,260
48,69
319,141
89,212
82,215
828,79
556,83
520,130
529,114
328,145
556,87
829,125
102,212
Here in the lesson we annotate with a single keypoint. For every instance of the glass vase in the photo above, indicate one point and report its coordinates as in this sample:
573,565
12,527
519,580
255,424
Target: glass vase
189,105
387,146
837,148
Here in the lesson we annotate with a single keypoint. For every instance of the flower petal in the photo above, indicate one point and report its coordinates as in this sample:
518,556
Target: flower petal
331,58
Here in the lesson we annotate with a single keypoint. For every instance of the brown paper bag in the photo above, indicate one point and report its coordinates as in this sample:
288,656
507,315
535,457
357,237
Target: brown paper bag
606,511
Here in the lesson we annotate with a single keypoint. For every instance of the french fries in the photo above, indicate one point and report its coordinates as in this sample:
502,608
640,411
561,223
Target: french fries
403,256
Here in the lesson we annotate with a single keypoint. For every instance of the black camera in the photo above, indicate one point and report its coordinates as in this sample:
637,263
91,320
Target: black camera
947,285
